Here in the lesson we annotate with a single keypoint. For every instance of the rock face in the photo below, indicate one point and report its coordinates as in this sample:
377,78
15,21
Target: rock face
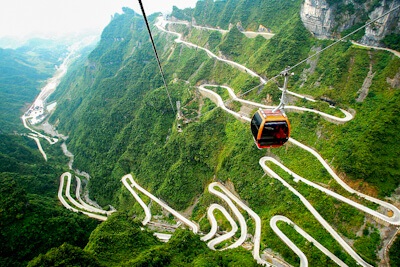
327,21
317,17
375,32
262,28
239,26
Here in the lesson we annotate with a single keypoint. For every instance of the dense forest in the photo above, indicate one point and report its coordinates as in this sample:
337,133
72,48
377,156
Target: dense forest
22,72
32,219
272,14
116,113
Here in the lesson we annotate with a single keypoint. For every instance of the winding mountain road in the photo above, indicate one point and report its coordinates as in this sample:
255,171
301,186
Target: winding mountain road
130,183
84,205
160,26
236,205
228,197
214,227
39,145
394,220
394,52
67,193
303,258
249,34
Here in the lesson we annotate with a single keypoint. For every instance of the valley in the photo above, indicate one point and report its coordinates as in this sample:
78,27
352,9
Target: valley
265,258
189,187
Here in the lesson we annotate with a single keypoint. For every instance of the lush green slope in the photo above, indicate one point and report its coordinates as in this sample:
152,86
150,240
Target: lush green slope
120,242
32,219
394,255
140,248
272,14
18,87
119,121
22,72
65,255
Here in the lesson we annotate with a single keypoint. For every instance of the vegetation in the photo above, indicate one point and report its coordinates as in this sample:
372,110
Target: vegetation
393,253
392,41
120,242
250,13
65,255
31,219
22,72
133,115
114,109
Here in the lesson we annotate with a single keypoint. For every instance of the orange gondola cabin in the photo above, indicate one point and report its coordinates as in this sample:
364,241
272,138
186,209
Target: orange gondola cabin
270,128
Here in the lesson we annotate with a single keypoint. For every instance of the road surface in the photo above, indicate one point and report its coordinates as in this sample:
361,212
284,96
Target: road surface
66,204
249,34
214,227
130,183
396,53
303,258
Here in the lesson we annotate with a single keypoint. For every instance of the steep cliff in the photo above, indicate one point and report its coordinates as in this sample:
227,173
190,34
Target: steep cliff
331,18
317,17
384,26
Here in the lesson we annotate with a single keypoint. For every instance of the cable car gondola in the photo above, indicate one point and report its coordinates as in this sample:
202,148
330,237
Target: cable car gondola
270,128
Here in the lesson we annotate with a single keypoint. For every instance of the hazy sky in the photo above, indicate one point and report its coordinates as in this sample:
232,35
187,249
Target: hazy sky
57,17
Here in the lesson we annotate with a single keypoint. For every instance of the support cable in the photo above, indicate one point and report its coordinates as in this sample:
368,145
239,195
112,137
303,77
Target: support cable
155,52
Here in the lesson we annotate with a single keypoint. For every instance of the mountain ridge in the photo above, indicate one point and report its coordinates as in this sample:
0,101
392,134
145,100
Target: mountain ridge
116,113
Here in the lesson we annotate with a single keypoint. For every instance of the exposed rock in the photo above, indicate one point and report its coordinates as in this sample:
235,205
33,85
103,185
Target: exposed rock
262,28
312,62
317,17
239,26
326,21
363,92
395,82
375,32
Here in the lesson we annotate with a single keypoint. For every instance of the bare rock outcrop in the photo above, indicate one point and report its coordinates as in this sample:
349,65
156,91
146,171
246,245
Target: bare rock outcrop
375,32
317,17
326,20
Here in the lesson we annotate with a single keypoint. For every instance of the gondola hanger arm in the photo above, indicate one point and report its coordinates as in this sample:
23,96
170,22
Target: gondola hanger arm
286,74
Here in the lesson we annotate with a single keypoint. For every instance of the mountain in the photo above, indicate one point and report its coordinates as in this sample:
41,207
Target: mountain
22,71
323,18
118,118
32,220
328,18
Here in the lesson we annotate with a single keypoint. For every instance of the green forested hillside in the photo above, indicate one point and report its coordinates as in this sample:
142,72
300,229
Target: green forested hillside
32,219
272,14
117,115
120,242
22,72
18,83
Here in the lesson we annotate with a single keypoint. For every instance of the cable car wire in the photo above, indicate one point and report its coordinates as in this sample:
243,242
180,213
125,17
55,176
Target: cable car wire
155,52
